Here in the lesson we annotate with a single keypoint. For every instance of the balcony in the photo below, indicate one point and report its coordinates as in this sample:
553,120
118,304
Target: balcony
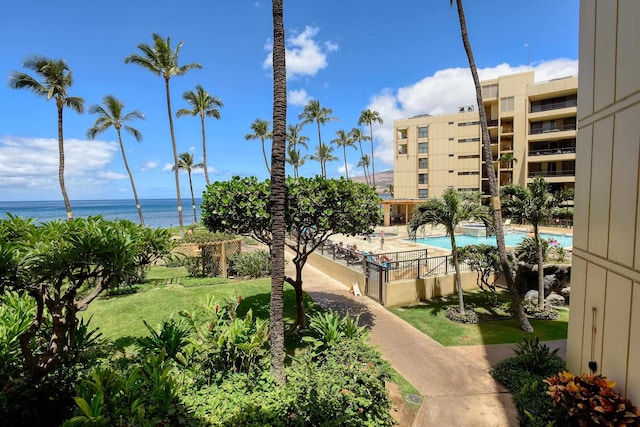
552,151
547,106
492,123
552,174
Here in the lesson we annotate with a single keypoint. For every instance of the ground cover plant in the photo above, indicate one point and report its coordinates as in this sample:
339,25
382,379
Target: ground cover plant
497,324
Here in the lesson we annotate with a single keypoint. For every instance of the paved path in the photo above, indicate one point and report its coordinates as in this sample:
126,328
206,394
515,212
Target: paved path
455,385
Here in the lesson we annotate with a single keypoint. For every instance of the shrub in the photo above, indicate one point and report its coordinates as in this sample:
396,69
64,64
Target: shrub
328,328
538,358
170,339
251,264
526,251
193,266
206,237
469,317
591,400
546,313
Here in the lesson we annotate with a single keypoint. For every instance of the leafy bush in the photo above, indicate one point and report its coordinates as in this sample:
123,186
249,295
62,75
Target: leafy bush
546,313
16,313
251,264
206,236
591,400
469,317
328,328
170,339
193,265
173,260
538,358
526,251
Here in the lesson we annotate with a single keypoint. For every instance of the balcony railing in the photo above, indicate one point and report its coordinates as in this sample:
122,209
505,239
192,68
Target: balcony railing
492,123
553,151
546,174
536,108
558,128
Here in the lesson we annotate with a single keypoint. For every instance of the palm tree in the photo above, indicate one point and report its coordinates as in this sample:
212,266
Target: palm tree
491,175
507,159
344,140
185,162
112,115
358,135
364,163
56,80
323,155
454,208
368,117
389,189
295,160
204,105
261,131
533,205
313,112
278,194
161,60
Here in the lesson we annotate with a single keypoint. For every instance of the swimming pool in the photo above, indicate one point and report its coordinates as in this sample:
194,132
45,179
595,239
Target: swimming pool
510,239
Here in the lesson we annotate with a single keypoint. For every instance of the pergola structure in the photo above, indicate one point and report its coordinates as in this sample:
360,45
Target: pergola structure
399,211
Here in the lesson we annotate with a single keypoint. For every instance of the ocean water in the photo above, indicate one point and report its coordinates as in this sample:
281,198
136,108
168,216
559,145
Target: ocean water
156,212
511,239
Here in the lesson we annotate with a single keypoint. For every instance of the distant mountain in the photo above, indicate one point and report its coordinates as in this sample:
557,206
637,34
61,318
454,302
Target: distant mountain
383,179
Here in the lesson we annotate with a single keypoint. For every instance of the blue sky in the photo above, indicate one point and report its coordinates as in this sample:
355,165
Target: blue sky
399,58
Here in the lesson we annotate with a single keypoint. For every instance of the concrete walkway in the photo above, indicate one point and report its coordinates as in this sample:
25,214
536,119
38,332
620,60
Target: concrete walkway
454,381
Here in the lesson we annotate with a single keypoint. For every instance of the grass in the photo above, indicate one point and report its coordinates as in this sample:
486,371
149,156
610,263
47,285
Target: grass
407,389
496,326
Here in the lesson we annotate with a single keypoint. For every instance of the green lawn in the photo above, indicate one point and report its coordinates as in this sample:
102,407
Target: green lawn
429,318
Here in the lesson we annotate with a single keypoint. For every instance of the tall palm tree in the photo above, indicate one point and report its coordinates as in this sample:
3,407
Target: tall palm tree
56,80
454,208
344,140
389,189
507,159
358,135
368,117
112,115
261,131
364,164
533,205
278,194
161,60
323,155
295,160
491,175
185,162
204,105
313,112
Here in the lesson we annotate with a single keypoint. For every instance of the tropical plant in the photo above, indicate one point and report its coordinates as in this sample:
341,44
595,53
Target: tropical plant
506,160
169,339
261,131
364,163
251,264
533,205
202,104
484,260
296,160
487,157
56,80
452,209
161,60
357,135
314,112
185,162
344,140
323,155
278,195
294,139
389,189
369,117
537,358
112,115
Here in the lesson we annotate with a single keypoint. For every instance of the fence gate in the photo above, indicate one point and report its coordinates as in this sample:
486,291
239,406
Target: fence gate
375,279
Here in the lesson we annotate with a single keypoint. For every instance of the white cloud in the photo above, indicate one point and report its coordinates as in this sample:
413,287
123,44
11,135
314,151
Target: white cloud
304,55
168,167
298,98
443,93
150,165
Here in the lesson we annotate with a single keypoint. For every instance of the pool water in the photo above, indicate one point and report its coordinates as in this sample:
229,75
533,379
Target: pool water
510,239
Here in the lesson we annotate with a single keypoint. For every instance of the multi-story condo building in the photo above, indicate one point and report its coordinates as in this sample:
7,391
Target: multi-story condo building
532,128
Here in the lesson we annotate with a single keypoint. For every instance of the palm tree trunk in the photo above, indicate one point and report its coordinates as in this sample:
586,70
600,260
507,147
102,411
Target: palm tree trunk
373,162
536,235
454,253
364,168
204,151
133,186
65,196
264,154
193,199
175,158
525,325
346,170
320,151
278,194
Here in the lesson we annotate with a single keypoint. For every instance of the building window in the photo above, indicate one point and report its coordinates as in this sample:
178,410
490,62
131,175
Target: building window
451,139
450,170
474,123
423,163
450,123
423,132
423,178
490,91
450,155
423,147
423,193
469,189
469,173
469,140
469,156
506,104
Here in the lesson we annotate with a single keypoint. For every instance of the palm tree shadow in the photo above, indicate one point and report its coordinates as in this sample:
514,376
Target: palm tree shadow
343,306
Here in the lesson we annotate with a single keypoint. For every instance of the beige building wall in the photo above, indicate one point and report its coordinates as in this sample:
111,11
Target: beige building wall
605,302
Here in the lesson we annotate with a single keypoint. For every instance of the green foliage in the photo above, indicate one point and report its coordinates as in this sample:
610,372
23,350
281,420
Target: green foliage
252,264
145,394
193,264
16,313
546,313
559,253
170,339
485,260
329,328
526,251
537,358
592,400
207,237
469,316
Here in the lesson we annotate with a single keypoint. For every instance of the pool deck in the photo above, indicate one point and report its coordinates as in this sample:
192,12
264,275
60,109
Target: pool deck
396,238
